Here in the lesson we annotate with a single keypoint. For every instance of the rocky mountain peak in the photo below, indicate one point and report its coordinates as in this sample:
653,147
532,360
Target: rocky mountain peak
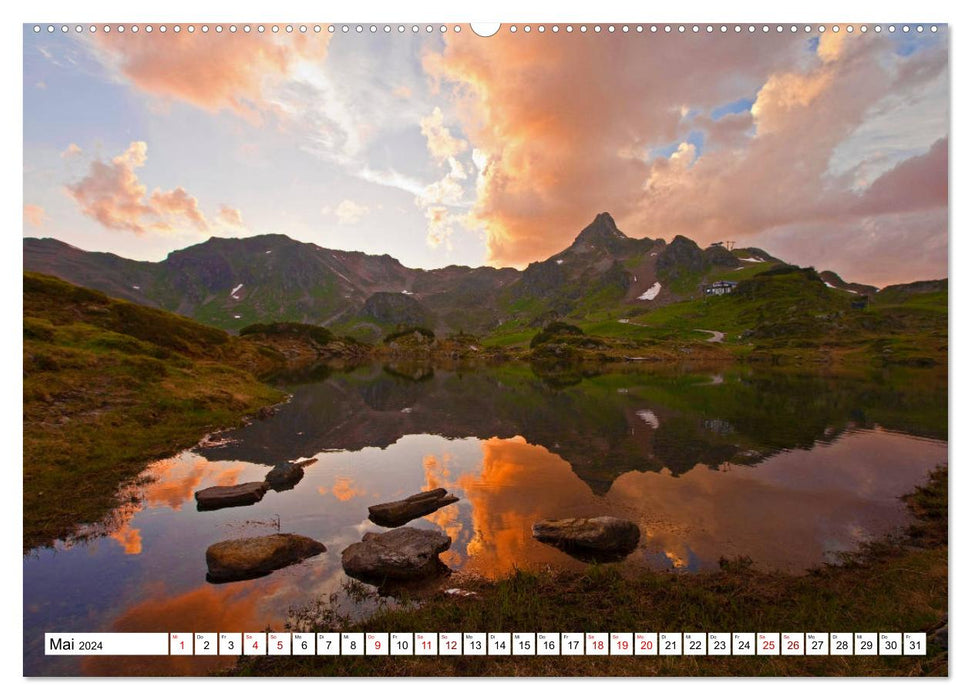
602,230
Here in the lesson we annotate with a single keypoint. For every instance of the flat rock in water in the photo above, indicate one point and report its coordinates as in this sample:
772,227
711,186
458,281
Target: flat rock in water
402,554
251,557
398,513
603,535
284,477
216,497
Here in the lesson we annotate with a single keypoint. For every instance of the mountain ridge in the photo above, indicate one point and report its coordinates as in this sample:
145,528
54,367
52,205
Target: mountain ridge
233,282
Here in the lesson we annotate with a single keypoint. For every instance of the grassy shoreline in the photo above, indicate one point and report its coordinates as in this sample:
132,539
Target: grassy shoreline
110,386
896,584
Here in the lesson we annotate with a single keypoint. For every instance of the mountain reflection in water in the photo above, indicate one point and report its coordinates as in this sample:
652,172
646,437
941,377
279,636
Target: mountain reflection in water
783,468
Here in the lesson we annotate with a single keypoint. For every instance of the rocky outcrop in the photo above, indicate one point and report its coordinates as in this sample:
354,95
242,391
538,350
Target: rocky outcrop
251,557
397,308
398,513
399,555
605,535
216,497
719,256
681,257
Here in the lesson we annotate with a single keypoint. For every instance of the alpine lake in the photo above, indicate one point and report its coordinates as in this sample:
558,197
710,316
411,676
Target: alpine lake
790,469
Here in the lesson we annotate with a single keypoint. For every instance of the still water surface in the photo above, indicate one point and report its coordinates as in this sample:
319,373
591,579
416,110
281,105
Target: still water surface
788,470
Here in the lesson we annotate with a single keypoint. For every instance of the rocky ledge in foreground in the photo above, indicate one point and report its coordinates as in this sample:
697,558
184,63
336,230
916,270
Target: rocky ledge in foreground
399,555
216,497
252,557
602,538
398,513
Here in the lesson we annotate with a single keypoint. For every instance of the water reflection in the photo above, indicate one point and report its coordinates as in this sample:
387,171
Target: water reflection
786,470
603,427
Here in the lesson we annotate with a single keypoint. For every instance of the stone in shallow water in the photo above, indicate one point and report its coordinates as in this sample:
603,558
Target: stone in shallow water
403,554
607,536
252,557
284,477
216,497
398,513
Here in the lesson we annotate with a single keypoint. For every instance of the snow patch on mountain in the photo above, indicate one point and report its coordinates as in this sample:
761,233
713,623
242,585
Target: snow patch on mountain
649,417
651,293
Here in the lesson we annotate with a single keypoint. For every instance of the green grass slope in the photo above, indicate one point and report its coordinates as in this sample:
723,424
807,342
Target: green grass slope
109,385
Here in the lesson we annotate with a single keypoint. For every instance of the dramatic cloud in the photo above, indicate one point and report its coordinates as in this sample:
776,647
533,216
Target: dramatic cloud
563,133
112,194
212,71
514,143
34,215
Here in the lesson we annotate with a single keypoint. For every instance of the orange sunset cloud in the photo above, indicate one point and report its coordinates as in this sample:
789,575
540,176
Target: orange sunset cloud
210,71
344,489
562,134
34,215
130,538
519,484
112,194
230,216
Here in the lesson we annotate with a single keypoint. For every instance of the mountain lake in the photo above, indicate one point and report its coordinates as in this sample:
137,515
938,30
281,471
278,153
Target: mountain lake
788,469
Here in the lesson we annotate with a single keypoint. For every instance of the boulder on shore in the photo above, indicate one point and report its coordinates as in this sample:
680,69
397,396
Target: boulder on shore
216,497
403,554
605,535
251,557
398,513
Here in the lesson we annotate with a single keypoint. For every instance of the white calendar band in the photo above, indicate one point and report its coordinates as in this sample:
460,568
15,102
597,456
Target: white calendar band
487,644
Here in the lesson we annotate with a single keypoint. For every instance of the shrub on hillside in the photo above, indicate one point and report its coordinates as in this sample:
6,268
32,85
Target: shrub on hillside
318,334
556,329
424,332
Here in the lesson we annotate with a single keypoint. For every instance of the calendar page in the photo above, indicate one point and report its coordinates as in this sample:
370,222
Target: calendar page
518,349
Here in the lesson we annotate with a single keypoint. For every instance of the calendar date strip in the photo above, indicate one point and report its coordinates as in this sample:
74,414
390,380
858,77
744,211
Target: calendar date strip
487,644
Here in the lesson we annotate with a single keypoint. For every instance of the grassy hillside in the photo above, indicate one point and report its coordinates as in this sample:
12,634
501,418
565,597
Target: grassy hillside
109,385
780,313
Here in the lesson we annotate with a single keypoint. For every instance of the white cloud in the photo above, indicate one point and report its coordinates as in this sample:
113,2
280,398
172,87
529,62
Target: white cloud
348,211
441,144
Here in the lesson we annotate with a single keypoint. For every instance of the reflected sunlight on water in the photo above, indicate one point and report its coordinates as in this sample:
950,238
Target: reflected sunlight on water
707,474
